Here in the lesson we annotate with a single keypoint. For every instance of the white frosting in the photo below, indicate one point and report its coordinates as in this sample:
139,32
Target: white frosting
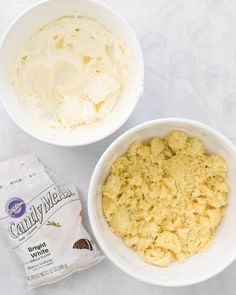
71,73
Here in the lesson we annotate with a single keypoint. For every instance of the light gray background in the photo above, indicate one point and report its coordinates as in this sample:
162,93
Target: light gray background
189,50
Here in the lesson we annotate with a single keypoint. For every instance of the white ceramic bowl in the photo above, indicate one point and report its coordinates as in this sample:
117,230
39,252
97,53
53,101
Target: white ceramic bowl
201,266
37,16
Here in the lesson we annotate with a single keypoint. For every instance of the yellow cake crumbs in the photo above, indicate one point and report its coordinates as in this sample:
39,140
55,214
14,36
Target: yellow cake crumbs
166,199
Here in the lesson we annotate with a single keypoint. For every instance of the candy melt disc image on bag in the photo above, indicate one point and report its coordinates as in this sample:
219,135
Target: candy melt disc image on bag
41,217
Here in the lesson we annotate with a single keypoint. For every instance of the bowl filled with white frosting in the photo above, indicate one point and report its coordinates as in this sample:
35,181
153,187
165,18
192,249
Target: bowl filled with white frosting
71,71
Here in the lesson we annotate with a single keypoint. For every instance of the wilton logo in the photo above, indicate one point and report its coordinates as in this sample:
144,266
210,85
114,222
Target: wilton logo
15,207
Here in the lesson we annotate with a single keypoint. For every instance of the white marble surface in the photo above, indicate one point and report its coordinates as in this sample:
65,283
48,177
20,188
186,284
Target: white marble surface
190,68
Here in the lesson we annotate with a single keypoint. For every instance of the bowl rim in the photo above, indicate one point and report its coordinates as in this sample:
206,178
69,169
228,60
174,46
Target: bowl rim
91,208
73,142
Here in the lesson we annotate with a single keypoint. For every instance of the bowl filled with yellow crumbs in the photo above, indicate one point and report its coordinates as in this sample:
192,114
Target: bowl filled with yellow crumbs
162,202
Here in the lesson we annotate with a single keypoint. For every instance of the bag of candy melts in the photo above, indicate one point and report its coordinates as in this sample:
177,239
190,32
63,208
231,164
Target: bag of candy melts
41,215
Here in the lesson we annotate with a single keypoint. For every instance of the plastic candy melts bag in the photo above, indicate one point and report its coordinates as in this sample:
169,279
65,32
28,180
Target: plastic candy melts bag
41,216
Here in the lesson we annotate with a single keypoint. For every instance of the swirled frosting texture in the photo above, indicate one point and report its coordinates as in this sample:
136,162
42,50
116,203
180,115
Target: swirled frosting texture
71,72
